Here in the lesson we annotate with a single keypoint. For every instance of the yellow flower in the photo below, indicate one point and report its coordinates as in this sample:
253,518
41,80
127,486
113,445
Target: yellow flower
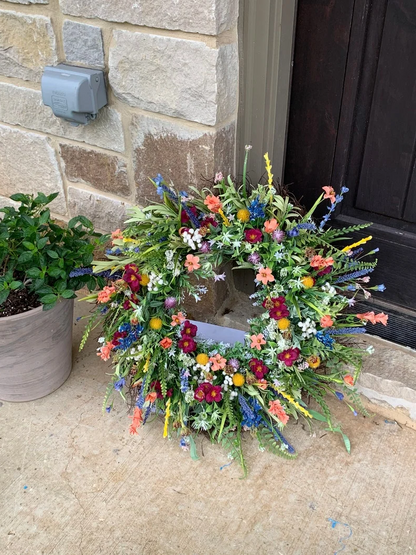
314,361
224,218
167,416
307,282
243,215
202,359
155,323
145,280
268,169
283,324
357,244
238,380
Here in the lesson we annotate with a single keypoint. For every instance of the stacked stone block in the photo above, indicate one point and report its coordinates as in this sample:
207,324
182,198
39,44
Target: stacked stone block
172,79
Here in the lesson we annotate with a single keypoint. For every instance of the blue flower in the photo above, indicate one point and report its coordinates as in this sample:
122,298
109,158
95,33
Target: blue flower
184,380
77,272
184,194
381,287
354,275
339,395
256,209
344,190
343,331
108,409
250,409
159,191
158,179
325,339
119,384
292,232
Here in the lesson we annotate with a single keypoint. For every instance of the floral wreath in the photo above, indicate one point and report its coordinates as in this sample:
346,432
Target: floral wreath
299,347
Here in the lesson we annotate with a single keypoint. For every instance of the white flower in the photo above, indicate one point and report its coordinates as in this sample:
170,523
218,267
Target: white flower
101,339
308,328
329,290
236,244
370,349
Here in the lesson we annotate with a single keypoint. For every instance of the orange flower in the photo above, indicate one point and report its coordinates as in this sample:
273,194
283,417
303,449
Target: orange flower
105,351
276,409
374,318
262,384
105,294
326,321
166,342
191,263
137,420
151,397
349,380
329,193
218,362
177,319
117,234
271,225
264,275
214,204
319,262
257,341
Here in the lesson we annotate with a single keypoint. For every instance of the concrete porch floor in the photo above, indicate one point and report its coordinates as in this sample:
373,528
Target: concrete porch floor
73,482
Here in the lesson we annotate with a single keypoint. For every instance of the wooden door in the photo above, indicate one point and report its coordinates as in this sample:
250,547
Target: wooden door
353,122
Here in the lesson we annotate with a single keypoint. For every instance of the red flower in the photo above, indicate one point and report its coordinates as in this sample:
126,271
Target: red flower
276,301
118,335
258,368
253,235
326,270
289,356
189,329
209,220
187,344
132,277
201,391
127,304
214,394
280,312
184,216
158,389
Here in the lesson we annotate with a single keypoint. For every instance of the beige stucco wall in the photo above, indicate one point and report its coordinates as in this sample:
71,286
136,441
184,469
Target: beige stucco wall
172,75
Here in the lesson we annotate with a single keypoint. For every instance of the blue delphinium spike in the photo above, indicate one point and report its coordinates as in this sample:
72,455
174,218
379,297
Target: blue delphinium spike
354,275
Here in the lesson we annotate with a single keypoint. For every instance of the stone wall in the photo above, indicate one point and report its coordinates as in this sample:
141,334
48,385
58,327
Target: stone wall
172,82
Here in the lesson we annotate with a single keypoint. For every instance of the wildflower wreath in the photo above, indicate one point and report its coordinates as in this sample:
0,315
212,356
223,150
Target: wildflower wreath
299,347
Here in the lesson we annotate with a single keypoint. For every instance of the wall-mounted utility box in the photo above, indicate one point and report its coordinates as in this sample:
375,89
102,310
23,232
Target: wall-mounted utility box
74,93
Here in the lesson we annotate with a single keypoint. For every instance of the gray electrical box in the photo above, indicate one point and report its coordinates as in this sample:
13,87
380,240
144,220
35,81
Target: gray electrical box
74,93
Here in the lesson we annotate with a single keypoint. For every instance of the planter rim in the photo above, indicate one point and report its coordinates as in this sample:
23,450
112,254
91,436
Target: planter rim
23,315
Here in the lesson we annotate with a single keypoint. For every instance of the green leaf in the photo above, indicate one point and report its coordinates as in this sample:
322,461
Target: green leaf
33,273
3,295
53,254
193,452
41,199
60,286
42,242
29,246
44,217
54,272
317,415
25,257
15,285
68,294
52,197
48,299
19,197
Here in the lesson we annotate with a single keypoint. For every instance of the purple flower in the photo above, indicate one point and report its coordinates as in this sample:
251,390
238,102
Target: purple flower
233,362
254,258
170,302
118,385
339,395
205,247
278,235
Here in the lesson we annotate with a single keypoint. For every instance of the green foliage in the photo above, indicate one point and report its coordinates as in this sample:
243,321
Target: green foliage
38,254
267,441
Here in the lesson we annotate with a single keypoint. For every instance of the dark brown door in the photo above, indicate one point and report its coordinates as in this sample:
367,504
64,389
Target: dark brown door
353,122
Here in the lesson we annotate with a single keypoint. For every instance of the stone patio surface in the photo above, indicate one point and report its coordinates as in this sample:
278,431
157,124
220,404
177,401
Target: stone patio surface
73,482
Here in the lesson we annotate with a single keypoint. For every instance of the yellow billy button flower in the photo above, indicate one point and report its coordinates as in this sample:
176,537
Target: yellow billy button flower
145,280
283,324
307,282
238,379
314,361
155,324
202,359
243,215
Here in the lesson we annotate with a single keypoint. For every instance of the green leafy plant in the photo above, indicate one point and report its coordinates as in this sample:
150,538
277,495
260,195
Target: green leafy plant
39,255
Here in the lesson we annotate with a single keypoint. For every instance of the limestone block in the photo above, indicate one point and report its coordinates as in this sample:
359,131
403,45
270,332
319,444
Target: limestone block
178,77
181,154
7,202
209,17
83,43
22,106
28,164
102,171
27,44
106,213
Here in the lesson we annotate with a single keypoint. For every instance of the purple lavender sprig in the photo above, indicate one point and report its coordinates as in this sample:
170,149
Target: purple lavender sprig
354,275
339,198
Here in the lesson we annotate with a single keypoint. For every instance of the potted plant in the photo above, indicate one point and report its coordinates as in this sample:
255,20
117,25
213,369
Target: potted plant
37,288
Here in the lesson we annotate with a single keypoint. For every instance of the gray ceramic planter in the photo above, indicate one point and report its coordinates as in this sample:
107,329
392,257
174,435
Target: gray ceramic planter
35,352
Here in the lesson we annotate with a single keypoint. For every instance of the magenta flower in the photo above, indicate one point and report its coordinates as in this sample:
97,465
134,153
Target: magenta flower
132,277
214,394
205,247
189,329
258,368
279,312
253,235
289,356
201,391
187,344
